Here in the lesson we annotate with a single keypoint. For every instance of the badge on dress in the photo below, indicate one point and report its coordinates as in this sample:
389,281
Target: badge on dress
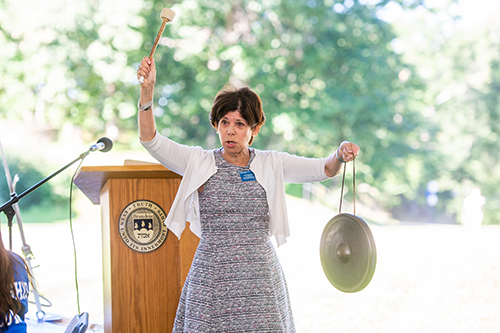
247,176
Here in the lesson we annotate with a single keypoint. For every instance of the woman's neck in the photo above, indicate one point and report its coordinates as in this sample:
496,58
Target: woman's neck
239,159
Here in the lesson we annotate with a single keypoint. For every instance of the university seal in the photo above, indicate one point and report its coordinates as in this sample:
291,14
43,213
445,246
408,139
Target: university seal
141,226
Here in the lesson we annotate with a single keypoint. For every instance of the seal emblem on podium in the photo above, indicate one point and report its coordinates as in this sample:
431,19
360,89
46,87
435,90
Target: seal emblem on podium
141,226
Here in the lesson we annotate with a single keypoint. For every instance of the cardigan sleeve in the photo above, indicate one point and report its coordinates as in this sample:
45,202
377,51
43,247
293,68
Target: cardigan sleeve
297,169
172,155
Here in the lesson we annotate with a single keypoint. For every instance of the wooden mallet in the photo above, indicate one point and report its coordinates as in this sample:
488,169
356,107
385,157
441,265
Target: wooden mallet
167,15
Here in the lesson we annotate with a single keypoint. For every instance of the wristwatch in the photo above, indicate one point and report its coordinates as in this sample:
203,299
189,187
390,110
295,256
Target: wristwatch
145,107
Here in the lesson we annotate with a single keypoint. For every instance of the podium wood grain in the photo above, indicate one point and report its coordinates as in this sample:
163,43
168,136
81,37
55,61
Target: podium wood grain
141,290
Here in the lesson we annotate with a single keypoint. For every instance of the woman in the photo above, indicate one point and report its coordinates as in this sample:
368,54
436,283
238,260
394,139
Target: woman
234,199
14,290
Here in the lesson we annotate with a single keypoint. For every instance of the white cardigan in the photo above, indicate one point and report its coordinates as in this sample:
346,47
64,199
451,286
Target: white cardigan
272,169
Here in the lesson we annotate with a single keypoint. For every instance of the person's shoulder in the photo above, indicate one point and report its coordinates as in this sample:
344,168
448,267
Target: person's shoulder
269,156
272,154
265,152
17,261
205,152
16,257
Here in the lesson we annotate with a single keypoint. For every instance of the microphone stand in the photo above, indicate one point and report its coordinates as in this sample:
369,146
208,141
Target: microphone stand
11,209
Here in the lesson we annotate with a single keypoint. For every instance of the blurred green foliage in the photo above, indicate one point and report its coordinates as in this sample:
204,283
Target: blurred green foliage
327,71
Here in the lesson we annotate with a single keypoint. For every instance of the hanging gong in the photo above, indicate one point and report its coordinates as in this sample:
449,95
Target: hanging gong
347,250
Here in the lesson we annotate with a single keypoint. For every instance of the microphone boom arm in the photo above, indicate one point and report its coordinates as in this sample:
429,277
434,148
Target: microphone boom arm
15,197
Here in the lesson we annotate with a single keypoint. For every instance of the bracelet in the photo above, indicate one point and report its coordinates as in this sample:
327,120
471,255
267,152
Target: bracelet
144,107
338,157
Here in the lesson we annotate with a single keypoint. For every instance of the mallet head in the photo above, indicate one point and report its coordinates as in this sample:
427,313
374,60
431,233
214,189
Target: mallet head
167,14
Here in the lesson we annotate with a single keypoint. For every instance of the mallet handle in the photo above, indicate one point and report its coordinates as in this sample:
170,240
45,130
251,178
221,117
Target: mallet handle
155,44
157,39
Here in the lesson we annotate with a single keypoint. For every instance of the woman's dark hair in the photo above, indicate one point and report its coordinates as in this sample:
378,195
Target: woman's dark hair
244,100
7,302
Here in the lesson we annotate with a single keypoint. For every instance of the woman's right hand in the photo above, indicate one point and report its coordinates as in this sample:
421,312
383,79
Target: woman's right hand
147,70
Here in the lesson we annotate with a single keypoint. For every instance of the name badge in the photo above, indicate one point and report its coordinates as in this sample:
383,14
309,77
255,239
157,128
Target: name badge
247,176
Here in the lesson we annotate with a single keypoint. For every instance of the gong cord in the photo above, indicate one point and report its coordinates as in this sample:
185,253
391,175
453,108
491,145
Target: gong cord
353,188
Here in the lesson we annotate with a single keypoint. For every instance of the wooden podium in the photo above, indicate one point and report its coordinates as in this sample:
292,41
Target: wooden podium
141,286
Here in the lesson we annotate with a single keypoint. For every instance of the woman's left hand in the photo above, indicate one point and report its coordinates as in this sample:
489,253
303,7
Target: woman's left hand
347,151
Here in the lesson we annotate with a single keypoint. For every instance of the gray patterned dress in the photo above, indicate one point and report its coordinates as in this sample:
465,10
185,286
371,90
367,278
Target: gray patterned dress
235,283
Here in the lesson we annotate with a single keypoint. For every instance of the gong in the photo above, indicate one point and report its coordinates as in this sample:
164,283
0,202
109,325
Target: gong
347,250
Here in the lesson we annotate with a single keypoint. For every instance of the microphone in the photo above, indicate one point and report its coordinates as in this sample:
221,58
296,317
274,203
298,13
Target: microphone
103,144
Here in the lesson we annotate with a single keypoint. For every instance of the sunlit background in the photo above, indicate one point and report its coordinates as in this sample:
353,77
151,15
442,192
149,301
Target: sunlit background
415,83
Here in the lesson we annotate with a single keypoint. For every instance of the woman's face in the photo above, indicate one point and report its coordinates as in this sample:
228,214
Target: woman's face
235,132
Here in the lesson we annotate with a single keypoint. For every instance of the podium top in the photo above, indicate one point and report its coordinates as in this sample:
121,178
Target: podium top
90,179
